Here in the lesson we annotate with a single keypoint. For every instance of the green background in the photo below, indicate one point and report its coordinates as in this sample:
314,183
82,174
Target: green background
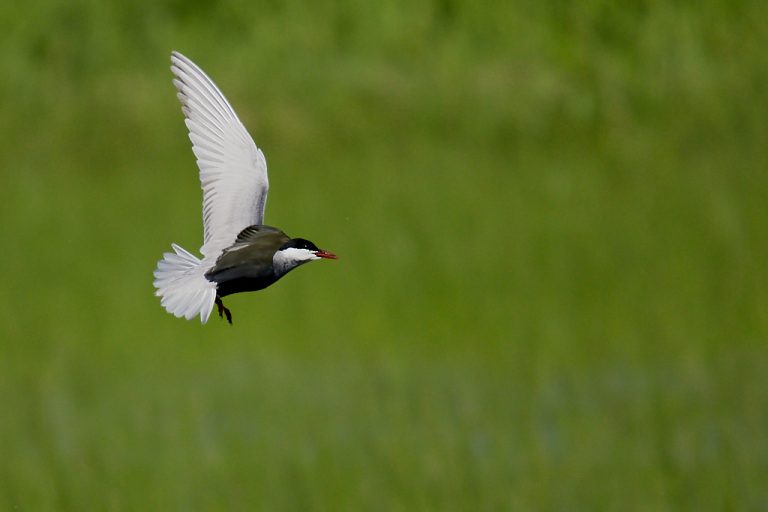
551,293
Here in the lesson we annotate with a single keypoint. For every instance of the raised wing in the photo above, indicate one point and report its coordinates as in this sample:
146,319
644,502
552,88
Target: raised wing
233,171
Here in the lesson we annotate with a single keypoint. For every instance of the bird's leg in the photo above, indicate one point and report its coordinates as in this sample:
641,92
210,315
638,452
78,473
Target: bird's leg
223,309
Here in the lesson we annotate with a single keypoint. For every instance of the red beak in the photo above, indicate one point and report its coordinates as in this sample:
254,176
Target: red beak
326,255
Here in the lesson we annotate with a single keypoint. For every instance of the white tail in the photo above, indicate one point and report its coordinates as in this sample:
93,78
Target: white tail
181,284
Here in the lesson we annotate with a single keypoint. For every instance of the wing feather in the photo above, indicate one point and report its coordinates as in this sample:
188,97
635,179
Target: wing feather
233,171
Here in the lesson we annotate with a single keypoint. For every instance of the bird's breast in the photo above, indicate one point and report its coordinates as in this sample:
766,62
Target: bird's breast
244,278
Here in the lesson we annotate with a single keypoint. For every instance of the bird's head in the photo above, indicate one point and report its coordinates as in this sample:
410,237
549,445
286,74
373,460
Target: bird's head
295,252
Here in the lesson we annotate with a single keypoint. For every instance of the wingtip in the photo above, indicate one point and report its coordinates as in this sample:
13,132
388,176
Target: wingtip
178,59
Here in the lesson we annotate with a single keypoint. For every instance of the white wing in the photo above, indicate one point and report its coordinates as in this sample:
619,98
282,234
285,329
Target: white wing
233,172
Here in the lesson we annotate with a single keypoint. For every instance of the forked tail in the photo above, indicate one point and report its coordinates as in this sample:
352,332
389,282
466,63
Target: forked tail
182,287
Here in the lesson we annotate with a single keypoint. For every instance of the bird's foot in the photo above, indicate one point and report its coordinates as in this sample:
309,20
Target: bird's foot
223,310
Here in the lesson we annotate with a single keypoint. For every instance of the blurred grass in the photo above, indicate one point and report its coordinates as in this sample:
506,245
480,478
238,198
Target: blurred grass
552,286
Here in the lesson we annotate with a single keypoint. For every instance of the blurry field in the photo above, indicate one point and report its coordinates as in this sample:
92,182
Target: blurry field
552,291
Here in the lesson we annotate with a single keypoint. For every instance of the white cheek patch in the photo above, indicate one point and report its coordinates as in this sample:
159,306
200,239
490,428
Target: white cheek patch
289,258
294,254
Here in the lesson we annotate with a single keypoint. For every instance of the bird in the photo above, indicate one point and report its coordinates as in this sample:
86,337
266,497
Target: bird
239,252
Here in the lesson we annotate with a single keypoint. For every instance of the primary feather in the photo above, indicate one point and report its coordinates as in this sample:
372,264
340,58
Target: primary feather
233,171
